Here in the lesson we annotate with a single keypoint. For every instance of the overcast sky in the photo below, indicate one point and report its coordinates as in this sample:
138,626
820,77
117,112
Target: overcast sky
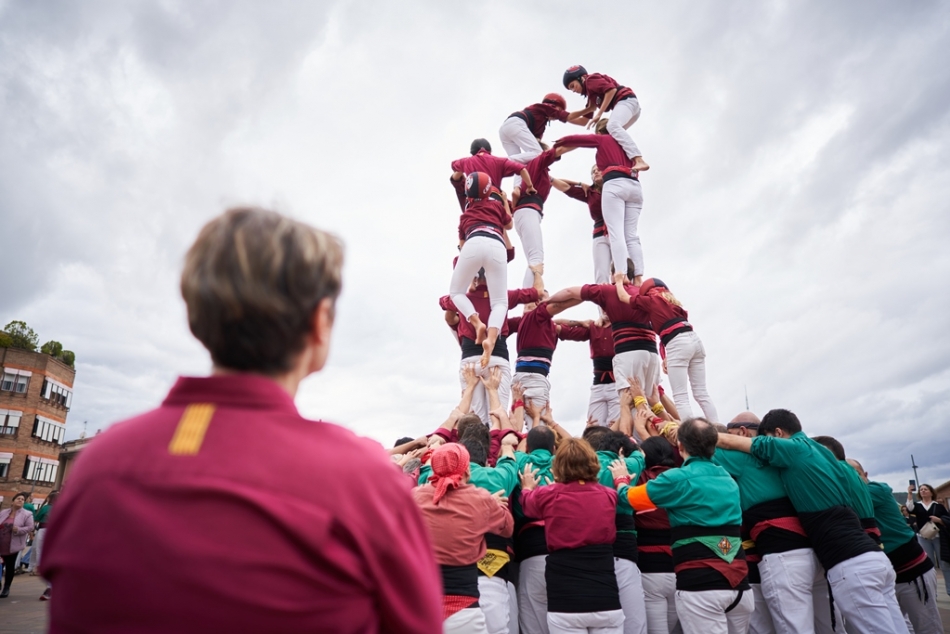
797,202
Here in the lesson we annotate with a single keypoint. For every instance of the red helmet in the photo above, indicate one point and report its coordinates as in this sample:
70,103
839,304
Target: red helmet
555,99
477,185
653,282
574,73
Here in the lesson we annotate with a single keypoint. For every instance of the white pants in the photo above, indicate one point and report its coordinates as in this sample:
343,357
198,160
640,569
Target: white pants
659,600
761,622
537,387
467,621
37,551
528,225
480,405
493,600
512,609
924,615
704,611
519,143
621,203
642,364
607,622
624,115
491,254
863,588
787,582
686,366
631,596
604,403
533,596
601,251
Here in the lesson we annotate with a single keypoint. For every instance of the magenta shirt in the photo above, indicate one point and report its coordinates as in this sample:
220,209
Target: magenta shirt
574,514
276,524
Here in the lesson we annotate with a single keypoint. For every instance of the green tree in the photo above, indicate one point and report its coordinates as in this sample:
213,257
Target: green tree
52,348
5,340
69,358
22,336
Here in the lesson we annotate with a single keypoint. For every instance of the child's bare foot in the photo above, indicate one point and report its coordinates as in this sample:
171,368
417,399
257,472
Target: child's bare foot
487,346
481,331
639,165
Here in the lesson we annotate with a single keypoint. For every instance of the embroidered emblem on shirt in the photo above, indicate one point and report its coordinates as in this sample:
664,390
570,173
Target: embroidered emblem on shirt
191,429
724,546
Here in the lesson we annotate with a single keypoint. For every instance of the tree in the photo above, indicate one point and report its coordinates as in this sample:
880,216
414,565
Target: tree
69,358
52,348
22,336
5,340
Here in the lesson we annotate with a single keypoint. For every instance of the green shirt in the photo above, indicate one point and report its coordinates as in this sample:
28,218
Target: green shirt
699,493
811,474
42,515
635,464
541,461
894,529
502,477
858,491
757,482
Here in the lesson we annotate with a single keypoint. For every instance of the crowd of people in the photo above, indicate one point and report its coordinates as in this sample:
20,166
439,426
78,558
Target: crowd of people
224,509
653,520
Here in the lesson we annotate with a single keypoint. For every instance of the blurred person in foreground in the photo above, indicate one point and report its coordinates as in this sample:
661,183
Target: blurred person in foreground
223,509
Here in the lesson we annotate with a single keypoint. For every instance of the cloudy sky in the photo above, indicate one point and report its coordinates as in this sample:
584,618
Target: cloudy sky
797,203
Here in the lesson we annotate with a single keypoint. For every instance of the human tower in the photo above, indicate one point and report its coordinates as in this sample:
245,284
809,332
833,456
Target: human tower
634,311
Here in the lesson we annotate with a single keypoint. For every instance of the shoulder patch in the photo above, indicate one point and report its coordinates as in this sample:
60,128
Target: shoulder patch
190,433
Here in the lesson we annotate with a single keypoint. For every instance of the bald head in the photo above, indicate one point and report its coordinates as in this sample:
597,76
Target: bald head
744,424
857,467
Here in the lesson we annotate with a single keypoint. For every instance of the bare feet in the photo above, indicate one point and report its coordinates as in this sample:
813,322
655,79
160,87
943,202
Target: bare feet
639,165
481,330
487,347
638,280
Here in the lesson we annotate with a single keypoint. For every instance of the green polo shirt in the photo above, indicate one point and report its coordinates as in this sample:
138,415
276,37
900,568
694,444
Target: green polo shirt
541,461
700,493
858,491
758,482
894,529
812,476
635,465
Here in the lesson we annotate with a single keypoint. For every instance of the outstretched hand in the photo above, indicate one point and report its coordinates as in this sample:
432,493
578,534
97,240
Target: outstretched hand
618,469
529,478
636,389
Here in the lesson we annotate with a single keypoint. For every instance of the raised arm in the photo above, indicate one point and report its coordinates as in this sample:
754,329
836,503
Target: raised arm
622,294
547,417
604,105
566,294
739,443
557,307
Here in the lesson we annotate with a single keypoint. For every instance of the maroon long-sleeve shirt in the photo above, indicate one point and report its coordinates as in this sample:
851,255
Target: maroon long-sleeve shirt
482,303
224,510
609,153
597,85
592,197
540,176
574,514
486,211
537,115
496,167
667,319
630,325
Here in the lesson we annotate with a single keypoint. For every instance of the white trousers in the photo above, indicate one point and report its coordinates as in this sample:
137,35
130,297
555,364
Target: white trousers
686,366
607,622
533,596
624,115
491,254
923,614
519,143
528,225
621,204
787,582
37,551
467,621
642,364
631,596
704,611
659,598
493,599
604,405
761,621
480,405
601,252
512,609
863,588
536,387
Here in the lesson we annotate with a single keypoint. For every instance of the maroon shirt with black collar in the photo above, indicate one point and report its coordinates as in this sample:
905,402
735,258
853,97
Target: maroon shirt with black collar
224,510
496,167
537,116
596,85
630,325
540,177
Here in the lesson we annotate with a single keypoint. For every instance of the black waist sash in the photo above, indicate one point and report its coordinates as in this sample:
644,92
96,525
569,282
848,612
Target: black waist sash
582,580
699,568
504,544
530,540
774,538
836,535
471,349
460,580
625,546
910,561
603,370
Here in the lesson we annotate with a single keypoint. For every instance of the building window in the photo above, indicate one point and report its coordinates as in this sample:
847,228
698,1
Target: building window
4,469
16,381
49,430
9,421
40,469
57,393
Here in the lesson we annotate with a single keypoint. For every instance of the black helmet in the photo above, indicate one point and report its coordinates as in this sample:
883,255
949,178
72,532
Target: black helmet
573,73
653,282
480,144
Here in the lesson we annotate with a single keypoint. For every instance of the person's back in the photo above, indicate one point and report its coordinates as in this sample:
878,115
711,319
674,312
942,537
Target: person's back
224,509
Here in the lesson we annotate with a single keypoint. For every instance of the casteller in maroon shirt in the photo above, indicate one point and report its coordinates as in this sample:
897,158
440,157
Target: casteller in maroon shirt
592,197
631,325
596,85
496,167
610,157
224,510
537,115
541,179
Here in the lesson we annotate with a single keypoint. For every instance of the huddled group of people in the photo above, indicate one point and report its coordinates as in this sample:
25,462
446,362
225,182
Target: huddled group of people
653,520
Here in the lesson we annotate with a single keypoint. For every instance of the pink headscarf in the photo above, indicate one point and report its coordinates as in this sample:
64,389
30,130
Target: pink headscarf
449,465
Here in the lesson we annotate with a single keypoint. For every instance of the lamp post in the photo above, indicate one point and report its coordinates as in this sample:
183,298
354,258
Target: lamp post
914,467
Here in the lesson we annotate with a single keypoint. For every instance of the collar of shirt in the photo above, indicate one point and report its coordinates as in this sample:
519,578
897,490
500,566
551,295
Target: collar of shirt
242,391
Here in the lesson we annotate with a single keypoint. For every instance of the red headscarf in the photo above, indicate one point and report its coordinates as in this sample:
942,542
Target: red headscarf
449,465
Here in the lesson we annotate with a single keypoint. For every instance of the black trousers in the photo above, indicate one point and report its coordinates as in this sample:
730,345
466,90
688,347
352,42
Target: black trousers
9,567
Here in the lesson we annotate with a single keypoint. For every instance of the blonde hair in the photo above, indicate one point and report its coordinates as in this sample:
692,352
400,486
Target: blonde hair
251,283
668,296
601,126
